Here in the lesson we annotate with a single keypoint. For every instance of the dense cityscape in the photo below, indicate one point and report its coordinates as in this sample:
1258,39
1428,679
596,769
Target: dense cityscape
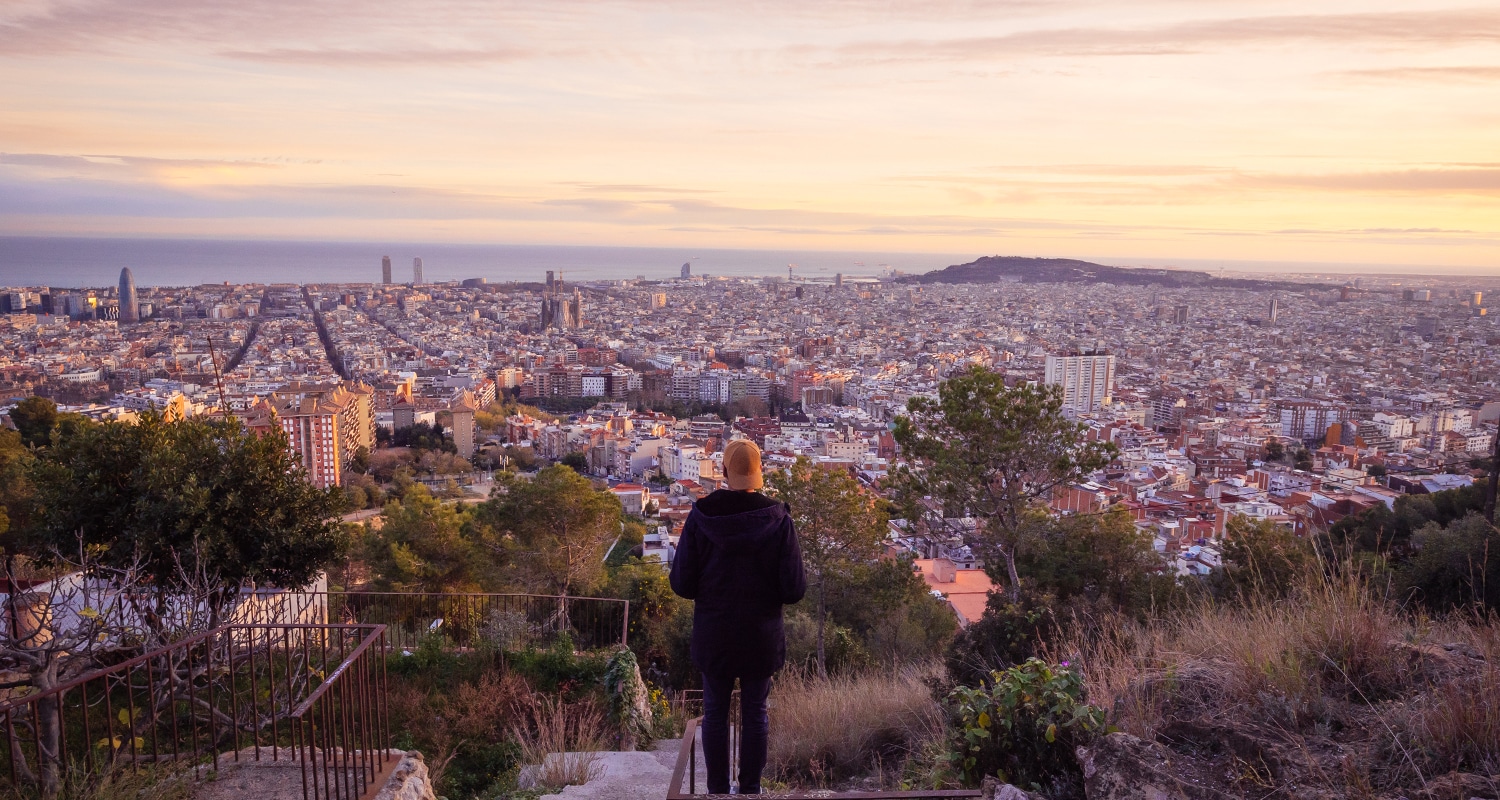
1299,407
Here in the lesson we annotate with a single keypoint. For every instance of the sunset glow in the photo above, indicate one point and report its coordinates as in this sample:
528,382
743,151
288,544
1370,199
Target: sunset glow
1271,130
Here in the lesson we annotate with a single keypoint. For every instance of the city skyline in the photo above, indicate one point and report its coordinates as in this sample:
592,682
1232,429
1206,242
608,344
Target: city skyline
1344,132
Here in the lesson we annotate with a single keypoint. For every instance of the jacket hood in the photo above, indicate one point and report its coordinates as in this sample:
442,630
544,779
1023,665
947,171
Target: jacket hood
745,531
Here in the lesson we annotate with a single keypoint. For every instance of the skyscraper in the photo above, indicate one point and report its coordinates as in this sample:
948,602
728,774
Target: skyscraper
129,306
416,271
385,269
1275,310
687,270
1086,380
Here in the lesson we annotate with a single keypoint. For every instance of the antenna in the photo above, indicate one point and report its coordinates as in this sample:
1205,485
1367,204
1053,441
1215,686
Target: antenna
218,379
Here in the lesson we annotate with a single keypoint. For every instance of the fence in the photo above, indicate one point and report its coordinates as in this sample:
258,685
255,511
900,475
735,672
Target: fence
686,770
503,621
309,694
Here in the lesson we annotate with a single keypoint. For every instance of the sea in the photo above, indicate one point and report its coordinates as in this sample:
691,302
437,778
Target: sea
74,263
92,262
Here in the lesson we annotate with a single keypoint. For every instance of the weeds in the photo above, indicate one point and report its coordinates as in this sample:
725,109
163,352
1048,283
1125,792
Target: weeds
561,740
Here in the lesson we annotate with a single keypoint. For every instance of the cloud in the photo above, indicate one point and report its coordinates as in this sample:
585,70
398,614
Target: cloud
1410,29
1456,181
378,58
1459,74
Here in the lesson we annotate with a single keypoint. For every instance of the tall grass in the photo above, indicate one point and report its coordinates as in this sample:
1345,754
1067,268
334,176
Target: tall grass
1334,654
562,740
829,730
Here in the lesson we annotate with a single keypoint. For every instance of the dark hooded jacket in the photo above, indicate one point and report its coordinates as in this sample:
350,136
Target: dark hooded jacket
739,560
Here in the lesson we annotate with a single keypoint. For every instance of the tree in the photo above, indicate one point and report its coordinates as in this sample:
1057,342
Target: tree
187,497
1274,450
422,547
838,525
553,529
1262,558
35,417
1100,558
1454,565
577,462
984,450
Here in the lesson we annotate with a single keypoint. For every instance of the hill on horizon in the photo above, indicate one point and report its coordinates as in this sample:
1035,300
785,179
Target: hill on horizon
992,269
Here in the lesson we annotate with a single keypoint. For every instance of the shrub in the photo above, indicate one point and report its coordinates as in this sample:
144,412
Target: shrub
559,670
1008,634
1022,727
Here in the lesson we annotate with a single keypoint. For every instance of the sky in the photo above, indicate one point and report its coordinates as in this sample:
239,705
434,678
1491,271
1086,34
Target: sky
1322,130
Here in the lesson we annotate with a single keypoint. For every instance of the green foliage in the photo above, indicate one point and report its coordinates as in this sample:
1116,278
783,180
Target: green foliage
552,530
1262,559
1453,566
15,485
889,611
422,547
839,525
629,700
1022,727
661,623
34,418
1009,633
577,462
423,436
185,495
1102,558
989,451
1388,532
558,669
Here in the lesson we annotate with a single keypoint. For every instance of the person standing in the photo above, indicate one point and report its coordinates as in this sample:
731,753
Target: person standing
739,561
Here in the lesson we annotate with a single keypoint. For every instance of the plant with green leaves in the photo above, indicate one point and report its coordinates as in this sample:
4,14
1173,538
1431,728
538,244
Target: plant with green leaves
839,525
989,452
1022,726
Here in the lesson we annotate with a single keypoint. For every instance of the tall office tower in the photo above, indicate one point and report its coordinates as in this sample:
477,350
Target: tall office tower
1275,310
687,270
416,271
129,306
1087,381
1476,299
549,279
385,269
1180,315
838,280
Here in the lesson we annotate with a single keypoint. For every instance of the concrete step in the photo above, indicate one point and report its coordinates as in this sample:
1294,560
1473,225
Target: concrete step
641,775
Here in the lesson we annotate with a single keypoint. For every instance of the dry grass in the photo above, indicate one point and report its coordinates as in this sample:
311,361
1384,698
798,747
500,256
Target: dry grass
562,740
1460,726
1334,662
824,731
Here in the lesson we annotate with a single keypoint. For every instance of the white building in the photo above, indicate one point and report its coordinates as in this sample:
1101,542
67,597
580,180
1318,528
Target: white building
1087,381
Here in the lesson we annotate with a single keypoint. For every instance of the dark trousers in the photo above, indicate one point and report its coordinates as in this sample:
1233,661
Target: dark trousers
755,729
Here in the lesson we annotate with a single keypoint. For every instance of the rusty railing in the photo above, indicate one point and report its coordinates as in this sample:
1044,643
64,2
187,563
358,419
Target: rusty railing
468,620
311,695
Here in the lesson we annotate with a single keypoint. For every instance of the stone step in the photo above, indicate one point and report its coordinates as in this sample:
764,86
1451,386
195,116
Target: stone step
641,775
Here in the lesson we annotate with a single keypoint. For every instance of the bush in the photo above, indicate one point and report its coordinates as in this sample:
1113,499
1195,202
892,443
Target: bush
558,670
1022,727
1008,634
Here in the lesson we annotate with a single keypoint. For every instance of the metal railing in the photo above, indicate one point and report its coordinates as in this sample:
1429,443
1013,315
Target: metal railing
686,769
310,694
502,621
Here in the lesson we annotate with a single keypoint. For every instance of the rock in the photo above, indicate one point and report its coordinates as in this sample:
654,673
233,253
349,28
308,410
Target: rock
993,789
409,780
1123,767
